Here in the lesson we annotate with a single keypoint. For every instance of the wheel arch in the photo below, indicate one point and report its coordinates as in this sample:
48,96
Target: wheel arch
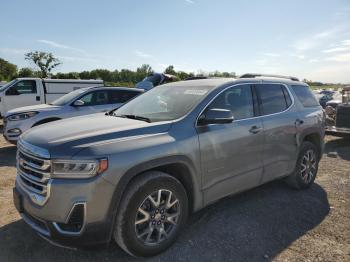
315,138
179,167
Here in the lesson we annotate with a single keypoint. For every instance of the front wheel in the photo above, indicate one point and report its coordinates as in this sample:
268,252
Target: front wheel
152,213
306,167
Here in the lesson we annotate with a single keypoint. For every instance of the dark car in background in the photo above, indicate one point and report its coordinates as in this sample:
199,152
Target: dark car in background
156,79
338,115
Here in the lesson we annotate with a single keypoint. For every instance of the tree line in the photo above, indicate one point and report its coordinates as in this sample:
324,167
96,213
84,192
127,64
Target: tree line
46,62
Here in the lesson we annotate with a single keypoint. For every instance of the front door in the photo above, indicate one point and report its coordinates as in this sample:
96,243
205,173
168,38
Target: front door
22,93
231,154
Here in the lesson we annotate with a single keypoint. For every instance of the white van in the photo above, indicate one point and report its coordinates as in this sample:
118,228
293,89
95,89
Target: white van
32,91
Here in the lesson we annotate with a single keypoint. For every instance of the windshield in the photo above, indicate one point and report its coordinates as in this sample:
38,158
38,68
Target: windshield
164,103
2,88
63,100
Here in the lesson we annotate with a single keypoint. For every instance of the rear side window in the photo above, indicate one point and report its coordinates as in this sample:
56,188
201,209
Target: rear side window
274,98
121,96
305,96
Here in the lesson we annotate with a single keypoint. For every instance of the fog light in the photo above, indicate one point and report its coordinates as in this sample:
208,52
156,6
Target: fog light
14,132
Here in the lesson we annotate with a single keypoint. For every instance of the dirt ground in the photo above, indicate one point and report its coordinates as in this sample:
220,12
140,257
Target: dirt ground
272,222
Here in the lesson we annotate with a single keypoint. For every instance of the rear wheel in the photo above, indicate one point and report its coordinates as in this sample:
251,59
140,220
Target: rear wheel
306,168
152,213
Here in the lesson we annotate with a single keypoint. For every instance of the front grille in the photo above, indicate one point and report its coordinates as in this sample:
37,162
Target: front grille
33,171
343,116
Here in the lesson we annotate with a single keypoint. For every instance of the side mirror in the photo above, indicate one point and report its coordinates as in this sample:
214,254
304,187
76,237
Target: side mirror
216,116
78,103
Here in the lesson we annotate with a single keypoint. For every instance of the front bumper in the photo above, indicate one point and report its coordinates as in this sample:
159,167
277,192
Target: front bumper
13,129
333,130
54,221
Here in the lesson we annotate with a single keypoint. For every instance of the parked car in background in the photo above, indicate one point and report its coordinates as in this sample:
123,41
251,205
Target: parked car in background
33,91
325,96
135,175
80,102
155,79
338,115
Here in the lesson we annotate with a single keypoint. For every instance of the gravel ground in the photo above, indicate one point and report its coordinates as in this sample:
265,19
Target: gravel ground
272,222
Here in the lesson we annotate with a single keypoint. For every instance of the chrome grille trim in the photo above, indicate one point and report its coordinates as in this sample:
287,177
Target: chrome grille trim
34,172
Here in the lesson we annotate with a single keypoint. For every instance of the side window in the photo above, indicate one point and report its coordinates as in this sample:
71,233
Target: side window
24,87
305,96
272,97
95,98
238,99
121,96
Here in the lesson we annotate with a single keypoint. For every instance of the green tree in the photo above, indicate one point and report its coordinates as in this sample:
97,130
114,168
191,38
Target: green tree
170,70
26,72
7,70
143,71
45,61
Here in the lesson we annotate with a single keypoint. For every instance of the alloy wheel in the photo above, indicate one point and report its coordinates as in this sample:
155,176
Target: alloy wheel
308,166
157,217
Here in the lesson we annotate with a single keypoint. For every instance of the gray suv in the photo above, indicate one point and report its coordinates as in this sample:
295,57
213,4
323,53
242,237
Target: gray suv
135,174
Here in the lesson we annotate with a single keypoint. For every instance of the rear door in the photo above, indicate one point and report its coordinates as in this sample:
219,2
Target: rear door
231,154
22,93
279,120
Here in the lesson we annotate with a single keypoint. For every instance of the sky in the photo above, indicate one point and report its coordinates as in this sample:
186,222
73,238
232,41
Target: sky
308,39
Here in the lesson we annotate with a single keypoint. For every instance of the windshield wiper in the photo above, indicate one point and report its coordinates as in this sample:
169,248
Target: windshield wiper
142,118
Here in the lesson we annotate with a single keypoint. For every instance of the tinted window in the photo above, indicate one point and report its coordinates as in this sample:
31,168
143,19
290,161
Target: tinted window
305,96
95,98
25,87
237,99
121,96
272,98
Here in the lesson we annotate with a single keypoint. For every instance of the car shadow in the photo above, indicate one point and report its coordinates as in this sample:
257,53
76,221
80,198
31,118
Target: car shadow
338,147
253,226
8,155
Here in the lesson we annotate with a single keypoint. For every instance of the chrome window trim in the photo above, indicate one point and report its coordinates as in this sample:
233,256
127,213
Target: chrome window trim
70,233
249,118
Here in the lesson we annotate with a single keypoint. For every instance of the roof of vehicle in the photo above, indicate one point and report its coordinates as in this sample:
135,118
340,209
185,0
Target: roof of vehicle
114,88
49,80
198,83
215,82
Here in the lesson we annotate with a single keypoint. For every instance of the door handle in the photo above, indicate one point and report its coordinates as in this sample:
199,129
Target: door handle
299,122
37,98
255,129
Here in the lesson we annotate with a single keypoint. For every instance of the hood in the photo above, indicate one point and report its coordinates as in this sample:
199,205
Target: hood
64,138
39,108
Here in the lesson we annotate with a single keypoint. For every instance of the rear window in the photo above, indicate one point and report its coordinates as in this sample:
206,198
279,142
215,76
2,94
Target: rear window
305,96
274,98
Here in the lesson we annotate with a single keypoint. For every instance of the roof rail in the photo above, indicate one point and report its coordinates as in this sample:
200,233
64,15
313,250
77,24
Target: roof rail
267,75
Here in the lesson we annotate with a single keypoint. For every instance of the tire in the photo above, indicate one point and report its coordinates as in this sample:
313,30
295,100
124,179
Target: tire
301,178
132,227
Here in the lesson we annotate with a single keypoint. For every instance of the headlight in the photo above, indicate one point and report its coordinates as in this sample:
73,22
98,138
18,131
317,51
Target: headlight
22,116
78,168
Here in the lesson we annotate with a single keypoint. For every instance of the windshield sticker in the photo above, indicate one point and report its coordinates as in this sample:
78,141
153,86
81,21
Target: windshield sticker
195,92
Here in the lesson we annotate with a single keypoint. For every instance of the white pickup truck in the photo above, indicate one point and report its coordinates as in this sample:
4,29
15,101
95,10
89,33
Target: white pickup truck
32,91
